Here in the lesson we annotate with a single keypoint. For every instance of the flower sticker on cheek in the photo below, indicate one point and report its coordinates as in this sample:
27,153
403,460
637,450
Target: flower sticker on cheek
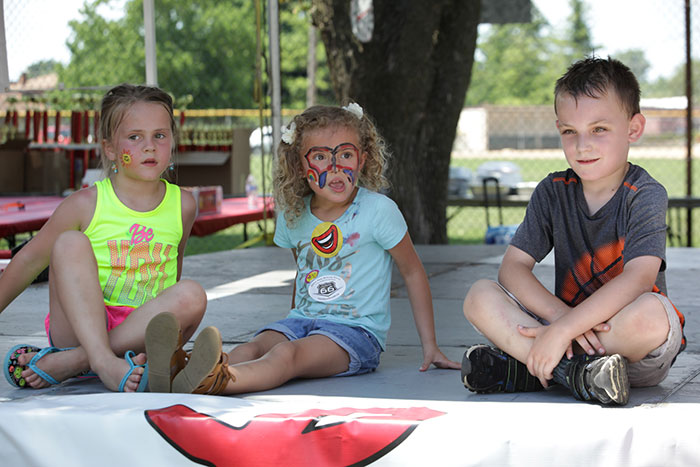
126,158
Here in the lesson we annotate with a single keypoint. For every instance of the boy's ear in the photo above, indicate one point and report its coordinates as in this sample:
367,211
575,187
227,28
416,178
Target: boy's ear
636,127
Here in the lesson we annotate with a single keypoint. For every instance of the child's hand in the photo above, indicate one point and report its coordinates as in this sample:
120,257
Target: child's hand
589,341
547,350
437,358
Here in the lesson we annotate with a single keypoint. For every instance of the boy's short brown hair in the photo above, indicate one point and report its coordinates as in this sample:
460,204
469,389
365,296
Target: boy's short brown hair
594,76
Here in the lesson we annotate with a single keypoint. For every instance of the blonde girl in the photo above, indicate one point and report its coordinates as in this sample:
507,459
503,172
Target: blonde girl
115,254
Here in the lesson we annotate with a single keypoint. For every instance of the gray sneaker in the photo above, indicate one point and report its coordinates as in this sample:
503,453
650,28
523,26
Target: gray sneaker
603,379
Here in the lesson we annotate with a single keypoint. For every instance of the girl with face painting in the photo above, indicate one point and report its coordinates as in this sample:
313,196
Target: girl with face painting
344,237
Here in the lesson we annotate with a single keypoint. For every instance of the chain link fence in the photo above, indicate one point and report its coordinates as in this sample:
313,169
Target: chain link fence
52,102
520,144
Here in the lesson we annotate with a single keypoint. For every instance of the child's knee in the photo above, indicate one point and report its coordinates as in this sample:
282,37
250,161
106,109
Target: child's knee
191,302
192,295
476,295
645,317
284,354
638,329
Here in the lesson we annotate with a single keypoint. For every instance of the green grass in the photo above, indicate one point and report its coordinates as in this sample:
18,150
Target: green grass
230,238
222,240
468,225
669,172
4,244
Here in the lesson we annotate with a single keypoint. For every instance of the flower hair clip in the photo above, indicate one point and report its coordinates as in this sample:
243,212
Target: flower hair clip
355,109
288,133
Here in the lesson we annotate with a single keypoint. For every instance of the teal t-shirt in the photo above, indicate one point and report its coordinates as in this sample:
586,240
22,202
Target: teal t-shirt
343,267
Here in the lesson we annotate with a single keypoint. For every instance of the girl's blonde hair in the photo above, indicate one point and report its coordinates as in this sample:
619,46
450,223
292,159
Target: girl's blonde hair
117,102
290,185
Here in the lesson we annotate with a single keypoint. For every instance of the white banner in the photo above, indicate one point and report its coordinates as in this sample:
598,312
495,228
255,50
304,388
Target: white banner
174,430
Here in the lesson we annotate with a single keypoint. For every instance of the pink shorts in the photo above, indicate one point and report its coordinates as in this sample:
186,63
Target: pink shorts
115,316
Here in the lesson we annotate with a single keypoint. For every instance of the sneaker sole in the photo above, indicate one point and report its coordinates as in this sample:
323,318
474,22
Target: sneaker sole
472,363
206,353
612,379
162,335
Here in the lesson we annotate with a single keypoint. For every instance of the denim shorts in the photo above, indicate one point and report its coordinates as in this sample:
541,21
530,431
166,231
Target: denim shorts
362,347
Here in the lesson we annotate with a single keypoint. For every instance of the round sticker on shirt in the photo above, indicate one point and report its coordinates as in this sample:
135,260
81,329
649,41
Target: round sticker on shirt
326,288
326,239
311,276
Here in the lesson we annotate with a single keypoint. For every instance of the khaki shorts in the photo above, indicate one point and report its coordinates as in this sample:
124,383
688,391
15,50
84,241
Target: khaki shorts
653,368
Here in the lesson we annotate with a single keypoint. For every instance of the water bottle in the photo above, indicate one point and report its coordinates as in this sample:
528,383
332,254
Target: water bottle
251,192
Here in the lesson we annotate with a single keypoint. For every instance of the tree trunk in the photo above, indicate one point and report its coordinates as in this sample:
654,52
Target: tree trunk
411,77
311,66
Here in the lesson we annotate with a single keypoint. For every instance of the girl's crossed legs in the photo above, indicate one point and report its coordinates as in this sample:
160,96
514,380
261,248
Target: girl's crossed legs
78,319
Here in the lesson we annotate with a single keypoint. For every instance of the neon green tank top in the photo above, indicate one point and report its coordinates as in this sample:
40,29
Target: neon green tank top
136,252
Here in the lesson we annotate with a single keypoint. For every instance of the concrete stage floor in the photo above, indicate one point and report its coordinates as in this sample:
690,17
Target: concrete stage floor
395,416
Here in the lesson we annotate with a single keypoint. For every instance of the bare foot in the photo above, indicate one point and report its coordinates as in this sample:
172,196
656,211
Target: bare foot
59,365
112,371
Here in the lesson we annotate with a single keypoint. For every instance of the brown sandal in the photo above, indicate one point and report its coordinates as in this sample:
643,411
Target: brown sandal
166,358
207,369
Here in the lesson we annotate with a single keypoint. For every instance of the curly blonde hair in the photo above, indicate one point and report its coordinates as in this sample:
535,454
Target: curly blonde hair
289,181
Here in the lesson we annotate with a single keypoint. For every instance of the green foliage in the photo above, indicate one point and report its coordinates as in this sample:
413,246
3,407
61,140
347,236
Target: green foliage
103,52
580,43
637,62
504,74
294,24
205,49
42,67
518,64
675,84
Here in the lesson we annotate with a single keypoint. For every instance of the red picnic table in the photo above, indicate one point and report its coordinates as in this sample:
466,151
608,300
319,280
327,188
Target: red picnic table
234,211
20,214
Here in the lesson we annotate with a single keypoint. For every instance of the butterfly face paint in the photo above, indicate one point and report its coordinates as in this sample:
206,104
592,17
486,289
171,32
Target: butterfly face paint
344,157
125,158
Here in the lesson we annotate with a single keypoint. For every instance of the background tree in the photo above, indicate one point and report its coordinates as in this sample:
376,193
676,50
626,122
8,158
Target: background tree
196,41
42,67
637,62
205,49
674,85
579,34
103,52
294,47
522,75
412,77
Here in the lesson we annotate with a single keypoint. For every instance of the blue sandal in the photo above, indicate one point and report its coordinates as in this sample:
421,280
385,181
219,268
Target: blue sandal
13,369
143,384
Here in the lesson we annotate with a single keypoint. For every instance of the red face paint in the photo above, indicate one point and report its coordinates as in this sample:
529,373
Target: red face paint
322,159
